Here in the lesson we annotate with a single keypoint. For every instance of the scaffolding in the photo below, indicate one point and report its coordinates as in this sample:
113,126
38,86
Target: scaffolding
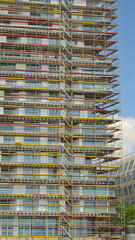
59,120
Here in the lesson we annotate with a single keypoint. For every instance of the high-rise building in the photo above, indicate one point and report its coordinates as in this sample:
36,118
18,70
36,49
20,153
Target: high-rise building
59,107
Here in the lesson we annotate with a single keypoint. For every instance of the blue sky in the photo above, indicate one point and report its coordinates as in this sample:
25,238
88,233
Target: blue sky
127,56
127,71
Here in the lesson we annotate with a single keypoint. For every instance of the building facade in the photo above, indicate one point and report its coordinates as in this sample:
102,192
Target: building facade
127,179
59,119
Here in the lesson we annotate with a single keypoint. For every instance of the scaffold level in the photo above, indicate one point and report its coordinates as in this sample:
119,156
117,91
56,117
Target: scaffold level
60,126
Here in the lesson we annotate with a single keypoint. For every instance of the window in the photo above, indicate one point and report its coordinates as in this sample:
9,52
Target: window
78,232
34,40
52,208
33,67
91,178
102,191
8,128
122,179
52,159
130,188
90,203
29,205
53,202
52,189
52,84
53,42
7,231
11,110
102,203
52,221
53,68
9,139
89,69
6,158
99,19
53,130
39,221
128,177
125,166
32,189
11,39
126,202
78,221
87,28
35,14
100,143
8,65
32,111
119,192
33,83
88,160
86,86
90,114
89,232
89,190
38,231
31,140
100,87
47,15
89,142
7,220
25,220
76,174
52,231
24,231
87,18
51,172
11,82
31,170
53,112
6,188
99,71
32,96
52,140
31,129
125,191
76,113
46,1
130,165
29,157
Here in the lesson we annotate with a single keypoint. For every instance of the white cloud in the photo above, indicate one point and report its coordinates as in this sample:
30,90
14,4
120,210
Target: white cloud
128,135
